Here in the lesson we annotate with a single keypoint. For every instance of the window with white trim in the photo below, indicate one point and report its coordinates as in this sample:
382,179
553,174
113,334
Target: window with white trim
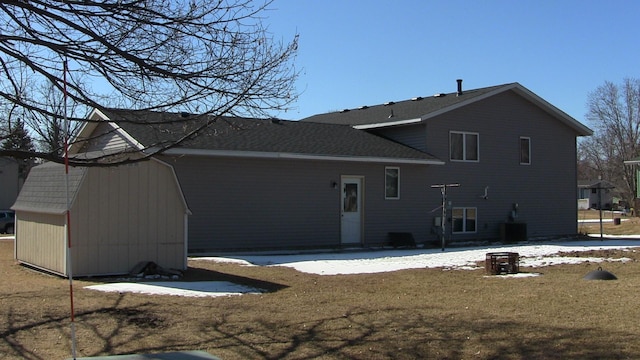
525,150
464,146
464,219
392,183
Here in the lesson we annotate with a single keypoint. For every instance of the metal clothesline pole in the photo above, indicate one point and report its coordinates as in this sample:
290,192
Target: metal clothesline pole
68,212
443,191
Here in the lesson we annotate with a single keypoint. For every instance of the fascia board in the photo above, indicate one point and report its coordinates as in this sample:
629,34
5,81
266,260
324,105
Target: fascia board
463,103
521,90
40,210
273,155
128,137
387,124
87,128
95,117
542,103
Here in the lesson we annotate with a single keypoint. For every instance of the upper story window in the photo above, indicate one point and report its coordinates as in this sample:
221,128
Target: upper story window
464,146
391,182
525,150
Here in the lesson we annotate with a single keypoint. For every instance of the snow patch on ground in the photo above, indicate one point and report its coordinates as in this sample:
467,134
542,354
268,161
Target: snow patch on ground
178,288
376,261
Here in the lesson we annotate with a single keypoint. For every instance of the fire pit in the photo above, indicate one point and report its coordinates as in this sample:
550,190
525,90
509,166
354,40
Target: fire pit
502,263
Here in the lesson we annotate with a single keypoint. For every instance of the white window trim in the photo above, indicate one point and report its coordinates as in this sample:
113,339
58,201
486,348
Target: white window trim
464,145
520,149
385,183
464,220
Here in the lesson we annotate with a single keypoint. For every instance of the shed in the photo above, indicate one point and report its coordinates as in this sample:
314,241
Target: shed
119,216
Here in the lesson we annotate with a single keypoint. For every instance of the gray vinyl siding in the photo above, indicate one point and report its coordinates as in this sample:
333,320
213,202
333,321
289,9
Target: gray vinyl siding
544,190
240,203
410,135
258,204
9,182
105,138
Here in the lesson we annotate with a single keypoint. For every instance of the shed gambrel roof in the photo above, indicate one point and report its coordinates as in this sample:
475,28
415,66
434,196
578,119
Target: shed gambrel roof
232,136
420,109
45,190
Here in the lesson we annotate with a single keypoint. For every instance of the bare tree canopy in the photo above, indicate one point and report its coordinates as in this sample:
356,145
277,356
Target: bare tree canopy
614,110
205,57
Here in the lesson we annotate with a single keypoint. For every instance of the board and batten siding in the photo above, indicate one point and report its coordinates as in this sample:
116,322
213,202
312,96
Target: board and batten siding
244,203
544,191
127,214
46,246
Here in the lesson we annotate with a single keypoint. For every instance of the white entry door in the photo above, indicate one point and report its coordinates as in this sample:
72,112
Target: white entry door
351,210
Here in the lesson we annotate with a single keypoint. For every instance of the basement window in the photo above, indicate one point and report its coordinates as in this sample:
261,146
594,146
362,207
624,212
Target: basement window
464,219
392,183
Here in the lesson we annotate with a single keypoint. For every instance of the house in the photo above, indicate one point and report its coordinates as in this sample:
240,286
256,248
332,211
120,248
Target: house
267,184
9,182
120,216
353,177
513,154
595,194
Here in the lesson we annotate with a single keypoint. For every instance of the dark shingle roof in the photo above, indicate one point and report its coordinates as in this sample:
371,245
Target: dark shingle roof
46,188
420,109
153,129
402,110
595,184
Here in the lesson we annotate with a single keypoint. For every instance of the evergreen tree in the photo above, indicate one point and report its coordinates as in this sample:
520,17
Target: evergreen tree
19,139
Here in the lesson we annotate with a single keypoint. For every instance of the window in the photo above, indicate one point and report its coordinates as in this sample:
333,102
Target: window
525,150
464,220
392,182
463,146
350,198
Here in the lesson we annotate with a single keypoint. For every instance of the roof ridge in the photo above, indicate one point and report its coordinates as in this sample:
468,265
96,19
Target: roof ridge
418,98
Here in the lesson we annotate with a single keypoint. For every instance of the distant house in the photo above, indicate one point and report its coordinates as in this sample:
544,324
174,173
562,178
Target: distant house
635,162
9,182
595,194
352,178
119,217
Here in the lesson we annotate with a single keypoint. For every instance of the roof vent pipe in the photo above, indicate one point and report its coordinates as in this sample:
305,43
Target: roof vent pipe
459,87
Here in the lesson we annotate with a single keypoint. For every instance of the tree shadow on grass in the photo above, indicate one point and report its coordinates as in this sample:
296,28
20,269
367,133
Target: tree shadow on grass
394,334
389,333
113,328
18,335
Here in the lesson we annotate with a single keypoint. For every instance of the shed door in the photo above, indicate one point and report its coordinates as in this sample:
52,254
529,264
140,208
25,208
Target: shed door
351,210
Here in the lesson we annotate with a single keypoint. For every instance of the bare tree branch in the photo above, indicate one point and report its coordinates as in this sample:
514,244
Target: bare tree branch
615,112
205,57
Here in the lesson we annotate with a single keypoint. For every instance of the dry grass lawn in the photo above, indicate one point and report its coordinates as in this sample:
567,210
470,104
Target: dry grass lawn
628,225
411,314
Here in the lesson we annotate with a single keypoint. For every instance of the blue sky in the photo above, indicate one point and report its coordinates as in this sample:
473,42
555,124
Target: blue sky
367,52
